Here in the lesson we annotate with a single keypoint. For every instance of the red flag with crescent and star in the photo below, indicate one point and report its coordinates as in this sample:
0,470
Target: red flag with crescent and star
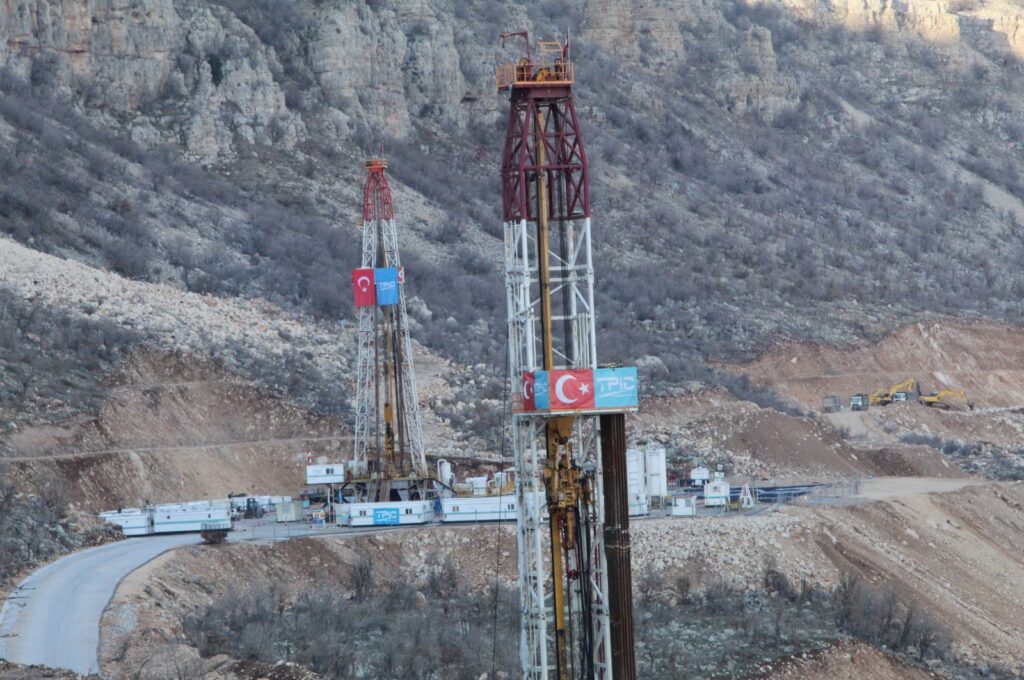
529,381
362,287
571,389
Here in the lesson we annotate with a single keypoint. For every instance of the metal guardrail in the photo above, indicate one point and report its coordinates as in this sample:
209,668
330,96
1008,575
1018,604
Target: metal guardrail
534,73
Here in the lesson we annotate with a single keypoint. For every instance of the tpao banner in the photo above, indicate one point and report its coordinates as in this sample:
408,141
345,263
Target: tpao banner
386,280
581,390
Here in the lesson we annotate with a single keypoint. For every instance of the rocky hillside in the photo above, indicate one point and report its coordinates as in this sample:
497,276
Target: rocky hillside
763,170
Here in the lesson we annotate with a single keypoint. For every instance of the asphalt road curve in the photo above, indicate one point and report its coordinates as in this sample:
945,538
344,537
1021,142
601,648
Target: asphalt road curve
52,617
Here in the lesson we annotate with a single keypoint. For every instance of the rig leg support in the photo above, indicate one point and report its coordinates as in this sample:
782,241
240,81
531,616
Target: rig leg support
616,545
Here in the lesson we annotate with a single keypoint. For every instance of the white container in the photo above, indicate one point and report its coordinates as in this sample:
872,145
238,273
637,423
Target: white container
716,493
391,514
170,519
699,476
683,506
133,521
636,483
478,484
444,472
331,473
478,508
290,511
656,471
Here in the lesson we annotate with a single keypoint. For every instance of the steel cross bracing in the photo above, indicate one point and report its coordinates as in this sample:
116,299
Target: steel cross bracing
572,278
380,249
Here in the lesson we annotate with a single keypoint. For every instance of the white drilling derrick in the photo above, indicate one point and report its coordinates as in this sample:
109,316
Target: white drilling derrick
568,413
388,431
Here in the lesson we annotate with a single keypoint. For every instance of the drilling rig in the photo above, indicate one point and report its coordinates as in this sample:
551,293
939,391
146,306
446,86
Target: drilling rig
389,462
568,424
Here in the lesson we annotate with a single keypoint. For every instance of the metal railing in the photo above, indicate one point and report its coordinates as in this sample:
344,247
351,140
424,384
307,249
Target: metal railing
526,73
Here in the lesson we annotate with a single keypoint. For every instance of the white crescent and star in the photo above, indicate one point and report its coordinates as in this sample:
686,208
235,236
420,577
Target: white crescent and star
527,389
559,389
363,287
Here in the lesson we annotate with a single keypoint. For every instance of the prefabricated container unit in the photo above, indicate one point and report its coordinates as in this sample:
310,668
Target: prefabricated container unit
656,471
478,508
391,514
716,493
699,476
332,473
290,511
636,484
683,506
133,521
478,485
343,514
169,519
444,472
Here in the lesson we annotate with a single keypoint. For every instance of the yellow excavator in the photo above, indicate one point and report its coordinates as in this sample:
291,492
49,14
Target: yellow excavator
946,399
898,392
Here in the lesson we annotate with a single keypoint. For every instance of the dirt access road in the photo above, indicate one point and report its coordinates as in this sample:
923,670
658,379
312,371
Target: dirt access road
53,617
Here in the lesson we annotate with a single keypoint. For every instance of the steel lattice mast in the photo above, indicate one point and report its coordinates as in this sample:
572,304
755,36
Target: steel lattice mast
563,445
388,434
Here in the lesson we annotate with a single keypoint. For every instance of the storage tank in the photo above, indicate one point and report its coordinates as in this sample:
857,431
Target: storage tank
657,474
444,472
636,483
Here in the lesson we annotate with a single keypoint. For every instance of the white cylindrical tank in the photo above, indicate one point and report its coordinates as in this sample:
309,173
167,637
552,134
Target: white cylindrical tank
657,474
444,472
636,483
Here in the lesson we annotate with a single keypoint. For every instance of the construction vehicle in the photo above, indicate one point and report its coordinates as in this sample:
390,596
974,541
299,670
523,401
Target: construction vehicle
831,404
253,509
898,392
859,402
946,399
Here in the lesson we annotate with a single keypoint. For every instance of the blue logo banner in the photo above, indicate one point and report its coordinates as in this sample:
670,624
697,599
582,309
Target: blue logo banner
541,393
386,280
385,516
616,388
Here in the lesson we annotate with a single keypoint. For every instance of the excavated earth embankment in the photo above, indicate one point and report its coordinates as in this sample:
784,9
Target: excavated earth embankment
954,554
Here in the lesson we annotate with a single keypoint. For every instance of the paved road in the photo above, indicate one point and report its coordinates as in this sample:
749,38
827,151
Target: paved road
53,616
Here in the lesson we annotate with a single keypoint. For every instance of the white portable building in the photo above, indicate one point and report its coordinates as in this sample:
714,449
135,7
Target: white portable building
478,508
289,511
636,483
683,506
168,519
332,473
133,521
391,514
716,493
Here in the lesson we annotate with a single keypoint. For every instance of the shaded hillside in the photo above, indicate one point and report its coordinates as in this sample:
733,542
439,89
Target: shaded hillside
762,171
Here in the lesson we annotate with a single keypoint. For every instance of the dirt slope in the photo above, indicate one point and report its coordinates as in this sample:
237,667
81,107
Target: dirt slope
848,660
712,426
985,359
173,429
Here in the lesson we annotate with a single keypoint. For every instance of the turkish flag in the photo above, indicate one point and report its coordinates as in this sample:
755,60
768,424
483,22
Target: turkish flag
571,389
529,380
363,288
